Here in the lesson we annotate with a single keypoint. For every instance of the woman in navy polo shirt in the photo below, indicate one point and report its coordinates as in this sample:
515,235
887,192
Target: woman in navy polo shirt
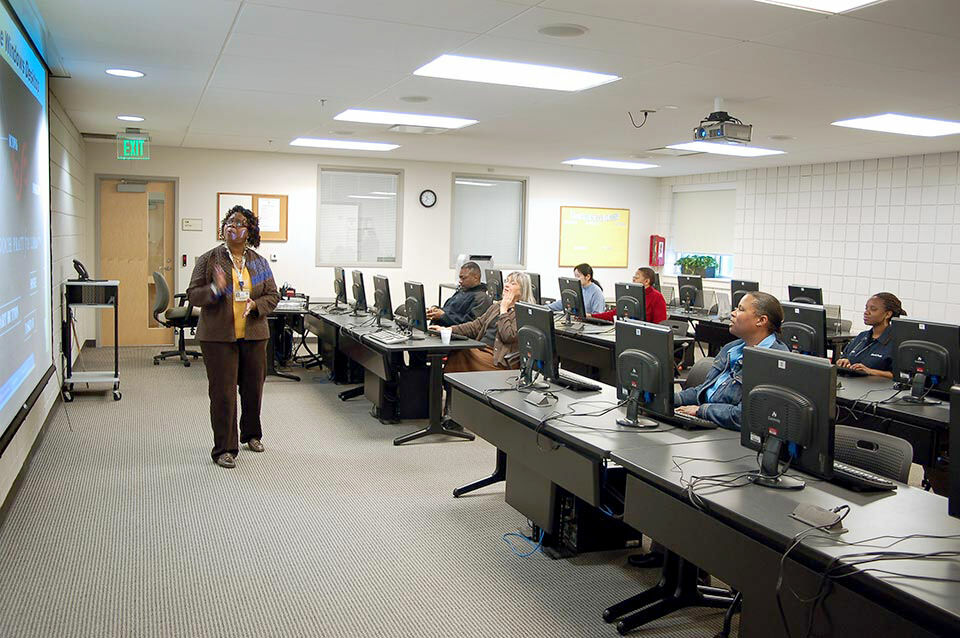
872,351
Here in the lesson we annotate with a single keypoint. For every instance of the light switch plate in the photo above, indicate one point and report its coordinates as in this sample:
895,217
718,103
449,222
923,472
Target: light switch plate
191,223
273,256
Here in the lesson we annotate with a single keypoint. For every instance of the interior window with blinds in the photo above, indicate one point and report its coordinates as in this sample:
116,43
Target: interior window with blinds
703,223
488,219
358,218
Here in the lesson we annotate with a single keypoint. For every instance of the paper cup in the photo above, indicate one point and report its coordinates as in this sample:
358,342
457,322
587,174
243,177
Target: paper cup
445,334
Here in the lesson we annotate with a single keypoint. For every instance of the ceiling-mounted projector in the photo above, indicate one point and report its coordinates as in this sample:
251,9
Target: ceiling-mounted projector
720,126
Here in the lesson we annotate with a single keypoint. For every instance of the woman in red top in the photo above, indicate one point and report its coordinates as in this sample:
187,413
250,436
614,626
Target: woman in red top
656,305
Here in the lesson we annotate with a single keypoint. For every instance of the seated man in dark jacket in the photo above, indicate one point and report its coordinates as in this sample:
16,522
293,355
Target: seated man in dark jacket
757,322
468,303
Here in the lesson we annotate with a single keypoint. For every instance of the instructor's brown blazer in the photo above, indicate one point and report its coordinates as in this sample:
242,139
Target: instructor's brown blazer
216,314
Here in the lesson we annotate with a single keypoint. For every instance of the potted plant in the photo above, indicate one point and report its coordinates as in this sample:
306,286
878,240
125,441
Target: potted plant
703,265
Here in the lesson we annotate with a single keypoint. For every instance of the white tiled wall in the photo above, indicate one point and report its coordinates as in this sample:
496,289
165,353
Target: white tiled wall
853,228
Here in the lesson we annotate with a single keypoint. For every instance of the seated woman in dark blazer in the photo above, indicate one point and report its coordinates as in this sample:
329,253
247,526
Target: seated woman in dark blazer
871,352
496,328
233,331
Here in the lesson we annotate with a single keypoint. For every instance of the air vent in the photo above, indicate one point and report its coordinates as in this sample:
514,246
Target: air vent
417,130
99,136
670,152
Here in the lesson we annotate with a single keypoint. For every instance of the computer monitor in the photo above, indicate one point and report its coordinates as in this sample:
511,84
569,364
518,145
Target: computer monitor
804,328
789,408
536,343
806,294
359,293
494,283
954,489
740,287
691,291
339,286
571,296
644,369
719,303
926,357
381,298
656,281
416,308
631,302
668,295
535,286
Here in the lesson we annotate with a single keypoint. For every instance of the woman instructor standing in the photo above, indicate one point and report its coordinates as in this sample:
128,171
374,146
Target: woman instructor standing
233,331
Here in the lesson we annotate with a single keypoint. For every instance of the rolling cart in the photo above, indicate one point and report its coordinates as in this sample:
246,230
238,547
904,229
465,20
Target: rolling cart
89,294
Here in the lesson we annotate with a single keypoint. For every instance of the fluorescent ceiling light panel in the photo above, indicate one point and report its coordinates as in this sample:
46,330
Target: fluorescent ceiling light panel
535,76
902,124
721,148
823,6
409,119
130,118
345,145
602,163
125,73
470,182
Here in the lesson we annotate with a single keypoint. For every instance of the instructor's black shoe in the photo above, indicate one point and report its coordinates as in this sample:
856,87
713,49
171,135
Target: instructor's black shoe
645,561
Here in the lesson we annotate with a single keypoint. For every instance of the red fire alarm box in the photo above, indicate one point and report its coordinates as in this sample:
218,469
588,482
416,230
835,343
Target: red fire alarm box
658,249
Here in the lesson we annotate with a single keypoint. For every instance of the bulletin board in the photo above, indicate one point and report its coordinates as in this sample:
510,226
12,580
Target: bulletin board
597,236
270,211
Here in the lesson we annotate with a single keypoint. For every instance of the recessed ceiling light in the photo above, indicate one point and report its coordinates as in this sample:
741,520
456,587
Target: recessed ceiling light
670,107
563,30
130,118
721,148
602,163
125,73
903,124
823,6
347,145
470,182
415,99
781,138
409,119
536,76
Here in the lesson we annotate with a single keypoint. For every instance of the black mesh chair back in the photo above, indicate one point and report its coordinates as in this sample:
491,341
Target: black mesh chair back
883,454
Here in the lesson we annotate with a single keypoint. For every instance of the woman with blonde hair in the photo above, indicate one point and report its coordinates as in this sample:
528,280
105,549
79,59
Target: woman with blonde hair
496,328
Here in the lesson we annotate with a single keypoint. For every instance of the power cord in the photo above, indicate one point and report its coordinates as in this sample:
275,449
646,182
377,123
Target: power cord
538,547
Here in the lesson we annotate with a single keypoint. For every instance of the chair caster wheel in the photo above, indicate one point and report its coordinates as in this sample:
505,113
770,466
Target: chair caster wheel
68,397
155,362
186,364
116,395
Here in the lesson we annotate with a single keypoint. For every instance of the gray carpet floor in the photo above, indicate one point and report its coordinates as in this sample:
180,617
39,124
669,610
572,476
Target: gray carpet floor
123,526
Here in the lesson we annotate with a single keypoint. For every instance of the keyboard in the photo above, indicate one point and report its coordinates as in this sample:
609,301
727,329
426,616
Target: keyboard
576,385
290,305
388,337
847,372
689,422
597,322
855,478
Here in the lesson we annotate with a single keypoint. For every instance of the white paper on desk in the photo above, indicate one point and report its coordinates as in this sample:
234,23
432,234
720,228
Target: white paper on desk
268,214
228,201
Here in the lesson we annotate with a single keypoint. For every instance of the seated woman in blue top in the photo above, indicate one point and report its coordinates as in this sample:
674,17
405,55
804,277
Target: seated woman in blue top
592,291
756,320
872,350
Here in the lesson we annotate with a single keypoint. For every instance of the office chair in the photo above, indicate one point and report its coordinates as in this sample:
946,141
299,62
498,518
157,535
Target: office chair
876,452
178,317
698,373
679,329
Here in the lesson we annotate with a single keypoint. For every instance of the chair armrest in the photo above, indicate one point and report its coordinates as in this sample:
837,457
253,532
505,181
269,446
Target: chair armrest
181,296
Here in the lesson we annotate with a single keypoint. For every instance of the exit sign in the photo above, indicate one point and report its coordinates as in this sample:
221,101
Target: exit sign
133,146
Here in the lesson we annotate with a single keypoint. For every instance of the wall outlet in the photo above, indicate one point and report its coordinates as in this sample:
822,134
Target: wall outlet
273,256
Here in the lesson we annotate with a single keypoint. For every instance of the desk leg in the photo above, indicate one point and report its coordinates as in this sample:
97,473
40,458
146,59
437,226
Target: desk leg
346,395
272,359
677,589
499,474
436,425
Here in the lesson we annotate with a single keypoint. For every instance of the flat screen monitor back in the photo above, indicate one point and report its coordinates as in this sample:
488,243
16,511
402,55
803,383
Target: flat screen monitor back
690,290
381,297
415,305
535,286
631,301
804,328
339,285
359,293
571,294
806,294
928,348
657,341
494,283
536,340
740,287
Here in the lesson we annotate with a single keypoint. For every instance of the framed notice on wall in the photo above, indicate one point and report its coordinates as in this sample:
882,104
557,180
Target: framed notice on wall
270,210
597,236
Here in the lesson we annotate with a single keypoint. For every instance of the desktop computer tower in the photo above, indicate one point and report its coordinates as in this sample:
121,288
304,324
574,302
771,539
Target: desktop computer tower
581,528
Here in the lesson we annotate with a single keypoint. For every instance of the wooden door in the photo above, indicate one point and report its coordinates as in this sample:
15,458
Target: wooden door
136,239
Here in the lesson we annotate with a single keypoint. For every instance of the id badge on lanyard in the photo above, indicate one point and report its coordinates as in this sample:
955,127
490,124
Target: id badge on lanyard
239,294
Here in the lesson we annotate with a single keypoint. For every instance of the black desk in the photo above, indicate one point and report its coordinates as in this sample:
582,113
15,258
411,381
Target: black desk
744,531
282,324
342,369
388,380
927,427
